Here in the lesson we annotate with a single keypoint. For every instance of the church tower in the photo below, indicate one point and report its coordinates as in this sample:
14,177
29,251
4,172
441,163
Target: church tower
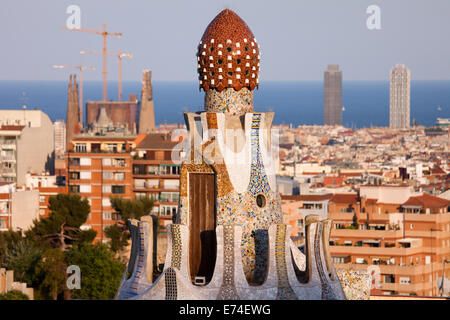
147,113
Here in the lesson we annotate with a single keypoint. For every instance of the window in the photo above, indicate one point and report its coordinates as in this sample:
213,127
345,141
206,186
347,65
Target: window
74,189
41,198
80,147
153,196
85,175
139,169
42,212
107,175
153,183
139,184
111,147
85,188
169,197
107,215
120,162
85,161
153,170
340,259
106,202
74,161
95,148
300,223
171,184
74,175
168,210
2,224
107,162
118,189
140,195
106,188
389,278
119,176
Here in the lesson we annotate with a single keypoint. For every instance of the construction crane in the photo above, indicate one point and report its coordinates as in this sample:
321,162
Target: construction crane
80,69
119,55
105,35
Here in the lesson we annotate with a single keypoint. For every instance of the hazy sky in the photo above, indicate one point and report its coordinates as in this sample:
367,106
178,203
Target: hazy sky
298,38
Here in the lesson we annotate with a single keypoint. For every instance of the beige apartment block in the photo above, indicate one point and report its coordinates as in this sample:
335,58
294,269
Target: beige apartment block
26,143
402,237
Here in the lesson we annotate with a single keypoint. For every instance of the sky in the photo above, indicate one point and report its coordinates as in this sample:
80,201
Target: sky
298,38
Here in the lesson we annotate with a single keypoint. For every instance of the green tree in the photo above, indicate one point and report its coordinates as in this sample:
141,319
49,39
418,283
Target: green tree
132,209
100,272
14,295
128,209
354,224
23,258
51,274
7,241
119,238
62,228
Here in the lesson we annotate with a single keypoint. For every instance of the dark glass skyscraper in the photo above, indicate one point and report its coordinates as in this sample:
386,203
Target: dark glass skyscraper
332,96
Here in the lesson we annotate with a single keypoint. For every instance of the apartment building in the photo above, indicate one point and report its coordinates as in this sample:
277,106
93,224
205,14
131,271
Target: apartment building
21,131
18,208
296,208
48,186
401,236
157,176
98,168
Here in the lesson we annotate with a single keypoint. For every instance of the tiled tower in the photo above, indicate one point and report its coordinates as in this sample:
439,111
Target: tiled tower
228,240
232,142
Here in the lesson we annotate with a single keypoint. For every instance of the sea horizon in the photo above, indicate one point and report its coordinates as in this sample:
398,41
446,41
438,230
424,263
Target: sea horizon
366,102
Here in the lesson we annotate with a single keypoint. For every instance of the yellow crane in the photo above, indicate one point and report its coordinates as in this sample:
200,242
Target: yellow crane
105,35
120,55
80,69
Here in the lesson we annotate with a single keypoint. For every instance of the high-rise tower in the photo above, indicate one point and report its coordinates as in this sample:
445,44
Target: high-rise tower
400,90
147,113
332,96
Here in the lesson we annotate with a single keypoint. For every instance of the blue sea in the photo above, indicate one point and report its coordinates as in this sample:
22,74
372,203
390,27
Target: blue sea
366,102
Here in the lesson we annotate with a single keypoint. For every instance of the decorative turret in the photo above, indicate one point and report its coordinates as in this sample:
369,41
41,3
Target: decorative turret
228,64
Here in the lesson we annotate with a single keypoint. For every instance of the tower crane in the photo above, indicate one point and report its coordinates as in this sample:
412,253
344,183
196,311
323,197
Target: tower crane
105,35
120,55
80,69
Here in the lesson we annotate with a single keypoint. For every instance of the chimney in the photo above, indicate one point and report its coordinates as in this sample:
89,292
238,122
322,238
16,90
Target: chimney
132,97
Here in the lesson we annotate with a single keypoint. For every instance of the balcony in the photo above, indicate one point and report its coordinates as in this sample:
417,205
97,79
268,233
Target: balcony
366,234
10,172
375,251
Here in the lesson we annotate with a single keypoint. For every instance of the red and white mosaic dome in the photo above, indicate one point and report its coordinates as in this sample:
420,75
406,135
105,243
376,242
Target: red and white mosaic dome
228,55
